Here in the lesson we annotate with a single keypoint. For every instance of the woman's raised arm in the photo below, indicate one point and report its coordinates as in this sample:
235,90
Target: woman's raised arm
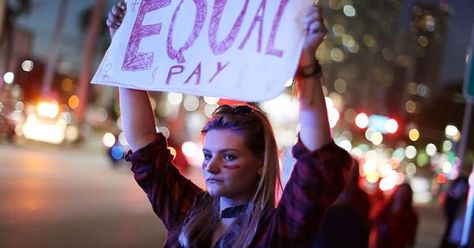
138,119
137,115
315,131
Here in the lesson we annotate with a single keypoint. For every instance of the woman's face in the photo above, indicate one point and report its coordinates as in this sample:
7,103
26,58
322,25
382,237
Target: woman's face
230,169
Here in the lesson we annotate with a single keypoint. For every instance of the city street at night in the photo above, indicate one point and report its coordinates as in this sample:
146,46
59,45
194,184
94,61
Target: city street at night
71,198
338,123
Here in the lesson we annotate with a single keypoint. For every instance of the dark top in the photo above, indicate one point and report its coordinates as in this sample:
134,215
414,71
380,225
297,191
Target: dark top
315,183
342,227
396,230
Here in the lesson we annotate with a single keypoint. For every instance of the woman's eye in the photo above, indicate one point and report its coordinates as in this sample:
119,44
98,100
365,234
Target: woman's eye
229,157
207,156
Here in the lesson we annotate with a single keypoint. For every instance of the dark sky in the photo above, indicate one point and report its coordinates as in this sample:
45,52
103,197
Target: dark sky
460,21
459,33
41,22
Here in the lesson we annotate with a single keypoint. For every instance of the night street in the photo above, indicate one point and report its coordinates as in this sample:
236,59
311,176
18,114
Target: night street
239,92
69,198
75,198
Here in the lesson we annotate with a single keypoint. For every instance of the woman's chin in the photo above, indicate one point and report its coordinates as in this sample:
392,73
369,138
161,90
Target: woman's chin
213,192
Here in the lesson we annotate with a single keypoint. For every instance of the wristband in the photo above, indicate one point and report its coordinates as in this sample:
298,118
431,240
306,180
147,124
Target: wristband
308,71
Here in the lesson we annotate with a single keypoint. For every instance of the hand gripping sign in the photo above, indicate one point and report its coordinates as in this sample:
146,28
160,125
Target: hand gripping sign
237,49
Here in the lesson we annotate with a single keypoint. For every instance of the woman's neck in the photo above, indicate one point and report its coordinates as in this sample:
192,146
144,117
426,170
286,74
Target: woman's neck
225,202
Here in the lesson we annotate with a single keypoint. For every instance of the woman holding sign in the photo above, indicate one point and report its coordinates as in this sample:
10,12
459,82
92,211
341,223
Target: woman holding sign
240,167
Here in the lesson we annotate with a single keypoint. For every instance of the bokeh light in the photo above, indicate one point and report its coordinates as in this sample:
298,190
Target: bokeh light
349,10
362,120
27,65
391,126
108,139
73,102
410,152
211,100
337,55
452,132
413,134
447,145
8,77
376,138
410,169
175,98
431,149
191,103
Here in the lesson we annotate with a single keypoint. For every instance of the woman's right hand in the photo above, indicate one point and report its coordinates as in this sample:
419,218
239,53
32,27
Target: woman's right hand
115,17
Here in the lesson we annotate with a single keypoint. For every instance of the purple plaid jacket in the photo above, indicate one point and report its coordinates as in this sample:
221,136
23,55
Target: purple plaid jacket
315,183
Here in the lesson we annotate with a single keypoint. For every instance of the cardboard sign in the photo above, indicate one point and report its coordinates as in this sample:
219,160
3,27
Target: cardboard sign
243,50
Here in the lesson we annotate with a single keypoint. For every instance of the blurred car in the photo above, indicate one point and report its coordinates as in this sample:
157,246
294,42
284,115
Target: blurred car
45,123
7,128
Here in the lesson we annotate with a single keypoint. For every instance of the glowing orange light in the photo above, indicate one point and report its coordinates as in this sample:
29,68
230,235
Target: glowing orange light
73,102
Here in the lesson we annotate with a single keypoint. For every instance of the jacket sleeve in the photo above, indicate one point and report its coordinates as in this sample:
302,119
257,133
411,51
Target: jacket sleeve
316,181
170,193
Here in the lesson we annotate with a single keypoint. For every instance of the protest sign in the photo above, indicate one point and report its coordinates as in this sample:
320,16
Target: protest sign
243,50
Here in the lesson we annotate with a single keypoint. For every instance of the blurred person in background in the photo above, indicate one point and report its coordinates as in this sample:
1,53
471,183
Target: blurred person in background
240,166
346,223
396,223
454,206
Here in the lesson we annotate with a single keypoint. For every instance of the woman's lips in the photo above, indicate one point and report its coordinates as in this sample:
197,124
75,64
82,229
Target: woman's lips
213,180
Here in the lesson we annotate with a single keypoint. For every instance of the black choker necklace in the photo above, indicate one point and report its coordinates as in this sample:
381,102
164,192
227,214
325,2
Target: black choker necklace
233,212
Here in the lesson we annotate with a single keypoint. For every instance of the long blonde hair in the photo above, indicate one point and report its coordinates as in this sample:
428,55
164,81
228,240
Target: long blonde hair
254,126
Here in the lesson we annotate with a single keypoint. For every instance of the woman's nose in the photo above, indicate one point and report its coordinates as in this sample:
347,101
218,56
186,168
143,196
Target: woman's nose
213,166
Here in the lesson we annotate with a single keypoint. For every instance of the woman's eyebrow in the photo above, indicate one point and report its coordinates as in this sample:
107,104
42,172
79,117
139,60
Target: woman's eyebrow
222,150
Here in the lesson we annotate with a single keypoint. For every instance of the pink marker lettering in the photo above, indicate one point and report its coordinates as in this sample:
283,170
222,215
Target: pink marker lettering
174,70
271,50
134,60
220,47
259,17
219,69
196,72
201,11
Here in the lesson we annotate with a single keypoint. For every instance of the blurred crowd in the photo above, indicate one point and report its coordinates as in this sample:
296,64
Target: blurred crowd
376,220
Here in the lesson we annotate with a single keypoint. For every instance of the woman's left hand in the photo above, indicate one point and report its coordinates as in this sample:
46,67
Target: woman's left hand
315,131
314,24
